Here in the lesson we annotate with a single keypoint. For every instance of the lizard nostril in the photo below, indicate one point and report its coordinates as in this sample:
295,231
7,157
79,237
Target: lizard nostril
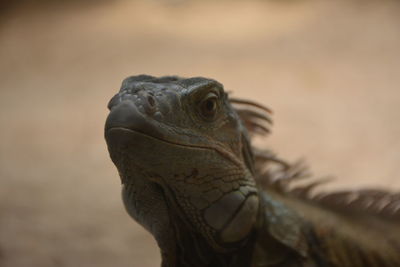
151,101
150,106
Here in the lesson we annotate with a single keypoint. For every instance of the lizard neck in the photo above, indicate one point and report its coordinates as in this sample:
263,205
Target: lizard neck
181,243
193,250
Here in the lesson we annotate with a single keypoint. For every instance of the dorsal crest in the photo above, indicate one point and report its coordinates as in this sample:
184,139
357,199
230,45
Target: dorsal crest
279,175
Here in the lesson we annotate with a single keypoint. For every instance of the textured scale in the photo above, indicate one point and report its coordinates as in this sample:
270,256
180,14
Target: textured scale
190,176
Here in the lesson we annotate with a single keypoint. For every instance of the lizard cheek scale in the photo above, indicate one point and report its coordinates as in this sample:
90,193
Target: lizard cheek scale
233,216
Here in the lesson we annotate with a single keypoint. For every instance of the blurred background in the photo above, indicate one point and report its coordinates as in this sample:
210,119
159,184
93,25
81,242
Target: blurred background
329,69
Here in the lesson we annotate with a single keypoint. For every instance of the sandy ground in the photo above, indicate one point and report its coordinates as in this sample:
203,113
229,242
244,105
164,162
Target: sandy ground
329,69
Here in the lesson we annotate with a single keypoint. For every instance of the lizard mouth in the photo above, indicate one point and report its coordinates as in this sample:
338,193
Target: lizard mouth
138,133
125,119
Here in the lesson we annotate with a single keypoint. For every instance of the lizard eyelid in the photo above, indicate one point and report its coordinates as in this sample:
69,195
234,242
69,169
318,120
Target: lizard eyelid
209,106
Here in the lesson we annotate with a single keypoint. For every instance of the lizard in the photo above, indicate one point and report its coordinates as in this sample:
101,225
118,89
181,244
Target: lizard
191,177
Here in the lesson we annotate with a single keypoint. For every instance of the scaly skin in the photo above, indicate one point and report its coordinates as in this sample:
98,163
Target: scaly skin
189,177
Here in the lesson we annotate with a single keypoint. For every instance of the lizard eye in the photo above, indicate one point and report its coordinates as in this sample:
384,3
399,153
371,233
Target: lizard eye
209,106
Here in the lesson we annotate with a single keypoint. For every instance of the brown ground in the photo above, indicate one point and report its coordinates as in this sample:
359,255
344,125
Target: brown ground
329,69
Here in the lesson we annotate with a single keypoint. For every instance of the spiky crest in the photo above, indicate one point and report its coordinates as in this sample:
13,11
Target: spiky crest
279,175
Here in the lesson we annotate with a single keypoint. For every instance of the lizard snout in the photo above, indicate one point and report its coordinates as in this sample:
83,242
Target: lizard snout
133,115
145,101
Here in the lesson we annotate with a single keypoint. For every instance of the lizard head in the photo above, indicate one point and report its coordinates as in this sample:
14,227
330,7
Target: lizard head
183,153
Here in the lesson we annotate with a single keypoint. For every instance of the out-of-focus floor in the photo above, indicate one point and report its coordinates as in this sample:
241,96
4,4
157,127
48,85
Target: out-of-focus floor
329,69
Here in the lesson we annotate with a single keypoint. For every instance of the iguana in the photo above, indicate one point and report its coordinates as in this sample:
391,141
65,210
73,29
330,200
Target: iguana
191,178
